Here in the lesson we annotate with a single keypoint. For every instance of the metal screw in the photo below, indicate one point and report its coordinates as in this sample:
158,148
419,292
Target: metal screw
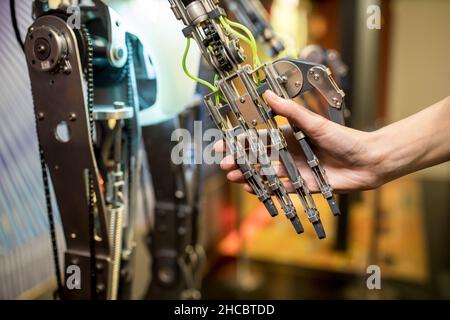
56,167
41,48
75,261
298,84
284,79
316,77
72,117
336,102
311,72
40,115
73,235
254,122
242,99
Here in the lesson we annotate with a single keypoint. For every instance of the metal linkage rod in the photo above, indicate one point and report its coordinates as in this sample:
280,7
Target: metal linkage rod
251,175
242,87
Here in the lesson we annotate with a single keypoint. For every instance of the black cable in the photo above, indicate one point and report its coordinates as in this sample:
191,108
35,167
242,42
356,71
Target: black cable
12,6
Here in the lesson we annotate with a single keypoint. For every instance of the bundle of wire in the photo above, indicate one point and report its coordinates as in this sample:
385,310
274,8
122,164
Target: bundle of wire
228,25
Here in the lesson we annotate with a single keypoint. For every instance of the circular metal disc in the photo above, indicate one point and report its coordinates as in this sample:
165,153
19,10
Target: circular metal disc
293,76
45,48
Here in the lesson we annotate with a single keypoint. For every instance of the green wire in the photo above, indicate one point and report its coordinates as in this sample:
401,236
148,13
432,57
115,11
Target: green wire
253,46
251,37
231,30
186,71
243,28
216,77
251,42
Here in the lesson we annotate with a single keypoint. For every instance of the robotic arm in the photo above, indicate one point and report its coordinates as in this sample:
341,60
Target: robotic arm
239,114
252,14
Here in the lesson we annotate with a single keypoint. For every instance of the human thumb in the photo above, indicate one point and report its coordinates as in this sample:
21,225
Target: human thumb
309,122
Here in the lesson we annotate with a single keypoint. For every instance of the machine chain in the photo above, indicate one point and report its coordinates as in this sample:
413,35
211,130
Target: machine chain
51,221
89,75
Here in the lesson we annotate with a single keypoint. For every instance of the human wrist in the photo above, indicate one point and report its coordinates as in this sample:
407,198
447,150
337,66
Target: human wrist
378,155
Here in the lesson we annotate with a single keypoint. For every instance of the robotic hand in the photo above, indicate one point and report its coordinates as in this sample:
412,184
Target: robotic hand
239,114
85,89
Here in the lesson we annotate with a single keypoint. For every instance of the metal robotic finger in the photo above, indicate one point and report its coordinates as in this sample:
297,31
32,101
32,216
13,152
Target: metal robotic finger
242,86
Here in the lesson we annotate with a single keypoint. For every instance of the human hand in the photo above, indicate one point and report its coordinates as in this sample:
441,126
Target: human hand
347,155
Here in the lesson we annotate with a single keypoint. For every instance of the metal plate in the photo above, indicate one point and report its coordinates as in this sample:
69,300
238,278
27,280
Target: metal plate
111,113
320,78
292,75
249,111
69,161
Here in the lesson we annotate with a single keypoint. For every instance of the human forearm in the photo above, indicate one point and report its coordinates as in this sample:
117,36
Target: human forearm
419,141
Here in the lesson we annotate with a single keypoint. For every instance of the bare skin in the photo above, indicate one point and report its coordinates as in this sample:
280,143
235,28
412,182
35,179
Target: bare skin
358,160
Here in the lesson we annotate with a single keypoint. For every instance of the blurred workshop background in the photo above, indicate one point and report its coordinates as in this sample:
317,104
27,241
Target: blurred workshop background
403,227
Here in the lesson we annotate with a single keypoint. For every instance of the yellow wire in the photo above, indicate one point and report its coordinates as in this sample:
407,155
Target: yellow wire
251,44
249,34
186,71
243,28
